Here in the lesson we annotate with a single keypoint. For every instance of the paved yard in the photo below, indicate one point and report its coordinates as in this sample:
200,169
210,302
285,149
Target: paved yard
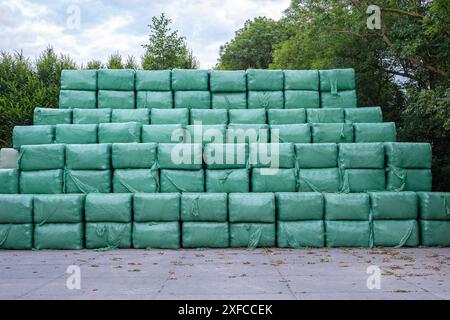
227,274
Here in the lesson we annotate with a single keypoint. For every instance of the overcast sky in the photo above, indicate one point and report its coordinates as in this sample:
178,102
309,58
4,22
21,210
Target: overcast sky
106,26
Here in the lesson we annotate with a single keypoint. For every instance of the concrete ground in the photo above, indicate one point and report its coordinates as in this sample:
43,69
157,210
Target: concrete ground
227,274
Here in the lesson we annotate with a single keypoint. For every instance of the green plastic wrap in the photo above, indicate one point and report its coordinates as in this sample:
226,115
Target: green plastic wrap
190,80
294,99
162,133
16,236
363,115
119,132
162,207
30,135
116,79
133,155
182,181
157,235
116,99
408,155
228,81
42,182
348,234
347,206
91,116
9,181
42,157
337,79
363,180
226,155
108,207
88,156
252,235
265,80
342,99
295,206
251,207
192,99
153,80
311,156
361,155
209,117
375,132
332,132
319,180
301,80
49,116
141,116
434,205
135,180
276,180
266,99
301,234
154,99
275,155
435,233
79,80
325,115
286,116
247,133
170,116
76,133
294,133
214,133
88,181
59,236
205,235
408,179
212,207
180,156
394,205
227,180
58,208
248,116
108,235
69,99
233,100
396,233
16,208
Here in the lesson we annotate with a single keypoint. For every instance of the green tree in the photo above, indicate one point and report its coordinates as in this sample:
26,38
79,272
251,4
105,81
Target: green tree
131,63
115,61
94,64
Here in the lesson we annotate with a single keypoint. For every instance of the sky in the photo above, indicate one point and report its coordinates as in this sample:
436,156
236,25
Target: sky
89,30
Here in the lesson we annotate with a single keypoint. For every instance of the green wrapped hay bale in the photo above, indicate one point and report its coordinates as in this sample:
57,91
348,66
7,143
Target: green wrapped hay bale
226,155
49,116
394,205
108,207
153,80
9,181
76,133
325,115
16,208
203,134
347,234
375,132
248,116
133,155
41,182
319,180
116,79
247,133
363,180
205,235
227,180
42,157
208,117
81,99
343,99
311,156
273,180
31,135
301,234
332,132
272,155
180,156
141,116
135,180
363,115
16,236
192,99
251,207
154,99
59,236
361,155
347,206
91,116
252,235
408,155
337,79
156,235
59,208
229,100
190,80
162,207
79,80
301,80
435,233
265,80
116,99
295,206
286,116
119,132
88,156
265,99
162,133
228,81
408,179
293,133
211,207
307,99
182,181
396,233
108,235
88,181
434,205
170,116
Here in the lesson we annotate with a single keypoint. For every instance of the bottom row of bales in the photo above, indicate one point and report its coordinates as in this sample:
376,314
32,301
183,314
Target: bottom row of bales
220,220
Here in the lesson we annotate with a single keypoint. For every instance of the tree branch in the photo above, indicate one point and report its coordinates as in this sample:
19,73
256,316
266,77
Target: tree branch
403,12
